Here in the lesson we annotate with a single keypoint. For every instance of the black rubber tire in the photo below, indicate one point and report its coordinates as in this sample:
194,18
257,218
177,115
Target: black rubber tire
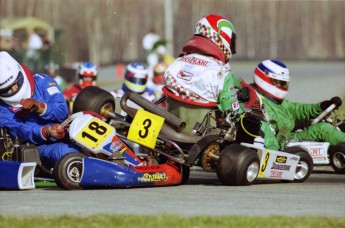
63,168
305,164
92,98
337,158
185,174
235,163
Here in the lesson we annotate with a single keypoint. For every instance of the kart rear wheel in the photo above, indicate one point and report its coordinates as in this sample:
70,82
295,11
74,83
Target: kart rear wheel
304,166
94,99
68,171
238,165
337,158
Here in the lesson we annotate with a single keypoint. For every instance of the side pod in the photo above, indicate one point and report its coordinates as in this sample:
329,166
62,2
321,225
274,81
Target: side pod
100,173
17,175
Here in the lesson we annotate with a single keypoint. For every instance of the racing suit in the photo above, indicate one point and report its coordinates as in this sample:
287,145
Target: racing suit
27,125
193,86
281,119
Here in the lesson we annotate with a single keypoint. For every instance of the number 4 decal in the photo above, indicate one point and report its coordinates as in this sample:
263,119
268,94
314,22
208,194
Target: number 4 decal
145,128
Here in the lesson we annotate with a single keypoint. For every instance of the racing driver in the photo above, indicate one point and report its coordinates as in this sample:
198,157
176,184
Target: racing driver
31,108
283,118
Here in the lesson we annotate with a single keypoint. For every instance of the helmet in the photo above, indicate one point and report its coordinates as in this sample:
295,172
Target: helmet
52,69
272,78
220,31
158,73
87,72
14,84
136,77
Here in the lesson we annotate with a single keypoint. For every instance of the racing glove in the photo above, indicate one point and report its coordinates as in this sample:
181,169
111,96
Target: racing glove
54,131
32,105
335,100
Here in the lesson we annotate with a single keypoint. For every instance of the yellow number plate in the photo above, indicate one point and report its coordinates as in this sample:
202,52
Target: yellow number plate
145,128
94,133
264,165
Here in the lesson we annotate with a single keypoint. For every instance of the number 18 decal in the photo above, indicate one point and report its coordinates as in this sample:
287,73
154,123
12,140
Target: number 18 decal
94,133
145,128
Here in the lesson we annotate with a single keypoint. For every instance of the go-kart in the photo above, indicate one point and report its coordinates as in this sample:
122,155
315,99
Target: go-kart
240,158
228,148
321,152
121,151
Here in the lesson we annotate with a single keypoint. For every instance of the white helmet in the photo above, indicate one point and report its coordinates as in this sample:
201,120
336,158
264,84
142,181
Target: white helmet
272,78
12,73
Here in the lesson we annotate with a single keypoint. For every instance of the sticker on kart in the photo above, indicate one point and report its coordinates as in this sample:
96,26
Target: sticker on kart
277,165
94,133
145,128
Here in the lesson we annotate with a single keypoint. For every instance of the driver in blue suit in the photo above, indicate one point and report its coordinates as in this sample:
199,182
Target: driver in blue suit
31,108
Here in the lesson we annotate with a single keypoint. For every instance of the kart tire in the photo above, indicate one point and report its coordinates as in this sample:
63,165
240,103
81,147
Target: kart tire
93,98
337,158
238,165
68,171
305,164
185,174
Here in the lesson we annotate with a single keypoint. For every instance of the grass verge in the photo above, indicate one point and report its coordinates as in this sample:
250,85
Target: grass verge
168,221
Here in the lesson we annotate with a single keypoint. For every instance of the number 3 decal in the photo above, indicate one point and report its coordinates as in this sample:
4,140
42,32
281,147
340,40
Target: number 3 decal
147,124
145,128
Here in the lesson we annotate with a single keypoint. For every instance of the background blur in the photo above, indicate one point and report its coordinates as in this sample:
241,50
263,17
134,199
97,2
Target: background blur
109,31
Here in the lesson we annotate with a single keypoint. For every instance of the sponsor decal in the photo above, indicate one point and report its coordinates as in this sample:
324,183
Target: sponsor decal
234,95
153,177
277,174
187,76
315,151
195,61
147,168
281,159
280,167
235,105
9,79
53,90
293,159
115,146
52,84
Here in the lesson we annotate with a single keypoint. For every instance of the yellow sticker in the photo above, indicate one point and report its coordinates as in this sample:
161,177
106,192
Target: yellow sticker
264,165
145,128
94,133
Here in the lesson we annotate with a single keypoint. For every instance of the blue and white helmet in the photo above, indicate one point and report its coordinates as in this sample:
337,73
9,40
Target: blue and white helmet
272,78
136,77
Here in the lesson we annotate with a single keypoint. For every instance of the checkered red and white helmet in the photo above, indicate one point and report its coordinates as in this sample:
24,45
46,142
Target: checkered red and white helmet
272,77
220,31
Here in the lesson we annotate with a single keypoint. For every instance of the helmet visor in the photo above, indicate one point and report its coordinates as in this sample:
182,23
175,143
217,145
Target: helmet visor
14,88
136,80
280,84
233,43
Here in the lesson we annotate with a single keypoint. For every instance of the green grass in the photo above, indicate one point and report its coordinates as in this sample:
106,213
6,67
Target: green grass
168,221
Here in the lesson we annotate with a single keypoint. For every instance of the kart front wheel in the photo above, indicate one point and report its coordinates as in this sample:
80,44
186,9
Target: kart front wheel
238,165
68,171
337,158
304,166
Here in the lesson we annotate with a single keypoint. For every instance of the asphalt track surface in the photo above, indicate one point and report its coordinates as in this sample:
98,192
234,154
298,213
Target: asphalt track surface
321,195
